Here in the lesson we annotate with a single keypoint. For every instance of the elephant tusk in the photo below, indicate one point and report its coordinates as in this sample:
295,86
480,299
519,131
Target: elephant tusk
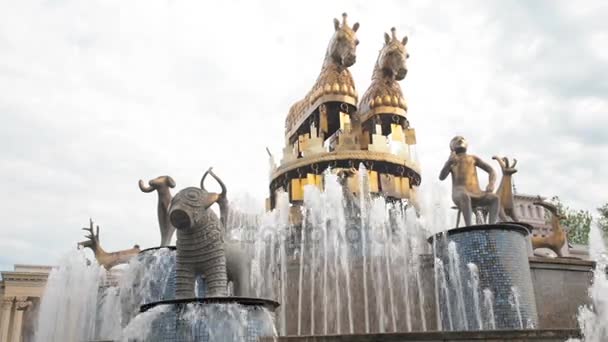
143,188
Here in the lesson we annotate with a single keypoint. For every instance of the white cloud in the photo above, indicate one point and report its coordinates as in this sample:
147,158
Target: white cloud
95,95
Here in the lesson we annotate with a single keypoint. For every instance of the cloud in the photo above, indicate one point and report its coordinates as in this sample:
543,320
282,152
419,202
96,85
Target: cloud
96,95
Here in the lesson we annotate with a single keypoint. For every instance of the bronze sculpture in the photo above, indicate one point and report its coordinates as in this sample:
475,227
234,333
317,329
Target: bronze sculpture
105,259
385,91
201,247
505,189
335,78
466,193
555,241
162,185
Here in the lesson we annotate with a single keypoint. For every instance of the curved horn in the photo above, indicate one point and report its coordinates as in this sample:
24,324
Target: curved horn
514,163
222,185
203,179
549,206
170,182
143,188
500,161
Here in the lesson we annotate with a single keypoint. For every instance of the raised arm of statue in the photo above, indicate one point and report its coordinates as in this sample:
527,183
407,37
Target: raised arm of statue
447,167
491,174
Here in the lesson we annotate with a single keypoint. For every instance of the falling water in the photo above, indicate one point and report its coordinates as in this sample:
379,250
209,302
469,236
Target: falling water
488,303
514,301
474,285
301,250
363,207
443,284
456,276
283,225
66,312
593,319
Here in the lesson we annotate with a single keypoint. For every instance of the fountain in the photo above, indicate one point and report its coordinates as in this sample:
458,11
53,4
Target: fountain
346,245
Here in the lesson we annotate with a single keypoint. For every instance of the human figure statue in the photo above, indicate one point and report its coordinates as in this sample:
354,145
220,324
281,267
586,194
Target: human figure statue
466,192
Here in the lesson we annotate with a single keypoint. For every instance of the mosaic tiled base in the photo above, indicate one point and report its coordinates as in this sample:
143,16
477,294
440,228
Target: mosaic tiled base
153,280
208,322
500,253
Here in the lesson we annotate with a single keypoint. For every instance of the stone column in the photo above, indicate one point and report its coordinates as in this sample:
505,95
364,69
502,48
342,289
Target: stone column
21,305
7,306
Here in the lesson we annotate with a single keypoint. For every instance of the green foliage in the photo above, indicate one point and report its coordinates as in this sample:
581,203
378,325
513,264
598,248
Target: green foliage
603,219
578,222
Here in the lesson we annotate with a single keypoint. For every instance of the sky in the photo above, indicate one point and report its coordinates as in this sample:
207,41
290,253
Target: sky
95,95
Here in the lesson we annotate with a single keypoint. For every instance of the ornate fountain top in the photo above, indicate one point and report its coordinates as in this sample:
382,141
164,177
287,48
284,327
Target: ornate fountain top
335,82
384,94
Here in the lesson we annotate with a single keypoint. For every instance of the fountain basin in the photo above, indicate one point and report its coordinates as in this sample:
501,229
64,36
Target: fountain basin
205,319
501,294
151,278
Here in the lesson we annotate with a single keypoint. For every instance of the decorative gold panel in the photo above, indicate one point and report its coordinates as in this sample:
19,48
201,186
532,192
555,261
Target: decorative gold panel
410,136
373,181
397,133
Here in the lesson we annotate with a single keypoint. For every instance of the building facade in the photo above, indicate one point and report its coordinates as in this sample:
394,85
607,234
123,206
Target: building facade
20,294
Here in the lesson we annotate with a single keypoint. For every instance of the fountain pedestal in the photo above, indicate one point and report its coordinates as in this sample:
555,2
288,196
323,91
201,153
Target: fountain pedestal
483,278
205,319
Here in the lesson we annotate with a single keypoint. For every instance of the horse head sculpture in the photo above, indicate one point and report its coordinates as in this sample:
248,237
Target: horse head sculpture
392,58
343,44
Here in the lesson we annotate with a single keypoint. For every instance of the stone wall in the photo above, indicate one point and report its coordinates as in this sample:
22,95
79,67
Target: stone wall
558,335
560,288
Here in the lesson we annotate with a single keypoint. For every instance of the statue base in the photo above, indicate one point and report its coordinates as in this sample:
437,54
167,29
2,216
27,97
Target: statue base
205,319
483,278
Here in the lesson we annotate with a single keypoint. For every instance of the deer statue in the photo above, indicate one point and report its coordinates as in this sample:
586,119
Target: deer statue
555,241
505,189
162,185
105,259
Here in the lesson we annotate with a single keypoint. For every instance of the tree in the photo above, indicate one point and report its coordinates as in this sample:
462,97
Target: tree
578,222
603,219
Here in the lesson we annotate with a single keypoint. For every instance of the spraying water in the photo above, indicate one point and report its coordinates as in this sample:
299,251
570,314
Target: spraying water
593,319
474,285
488,303
515,304
72,290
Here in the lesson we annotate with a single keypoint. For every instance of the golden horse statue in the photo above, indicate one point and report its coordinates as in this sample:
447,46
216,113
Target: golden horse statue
335,78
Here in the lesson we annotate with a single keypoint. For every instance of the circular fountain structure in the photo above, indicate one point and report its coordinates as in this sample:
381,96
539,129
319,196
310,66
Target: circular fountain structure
151,279
483,278
206,319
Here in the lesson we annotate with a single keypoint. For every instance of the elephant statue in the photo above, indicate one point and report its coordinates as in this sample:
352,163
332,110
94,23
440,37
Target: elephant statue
201,246
162,185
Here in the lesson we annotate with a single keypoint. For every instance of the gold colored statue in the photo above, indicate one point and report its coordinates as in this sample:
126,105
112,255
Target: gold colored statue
105,259
335,80
385,92
505,189
555,241
466,193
